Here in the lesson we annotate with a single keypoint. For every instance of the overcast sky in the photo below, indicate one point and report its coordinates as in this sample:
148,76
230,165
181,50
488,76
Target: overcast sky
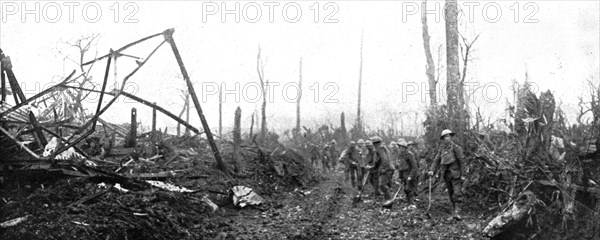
556,42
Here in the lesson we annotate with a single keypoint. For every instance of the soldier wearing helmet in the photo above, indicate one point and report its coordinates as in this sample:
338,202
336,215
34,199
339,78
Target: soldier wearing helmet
351,159
373,177
314,154
450,160
407,172
362,150
384,167
325,152
362,147
333,154
394,151
422,167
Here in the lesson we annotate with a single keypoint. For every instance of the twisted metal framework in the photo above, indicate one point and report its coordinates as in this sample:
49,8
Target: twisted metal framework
27,122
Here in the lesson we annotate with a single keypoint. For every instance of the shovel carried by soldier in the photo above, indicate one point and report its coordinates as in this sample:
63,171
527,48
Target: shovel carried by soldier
390,203
358,198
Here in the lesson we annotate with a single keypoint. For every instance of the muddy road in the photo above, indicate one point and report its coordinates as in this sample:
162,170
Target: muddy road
326,211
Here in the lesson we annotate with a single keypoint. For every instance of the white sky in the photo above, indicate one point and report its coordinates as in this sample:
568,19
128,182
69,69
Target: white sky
559,53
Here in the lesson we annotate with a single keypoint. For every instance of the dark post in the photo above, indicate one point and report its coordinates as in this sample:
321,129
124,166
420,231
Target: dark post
132,136
169,38
154,130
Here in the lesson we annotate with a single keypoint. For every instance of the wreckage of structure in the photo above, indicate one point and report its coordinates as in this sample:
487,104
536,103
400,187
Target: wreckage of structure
34,139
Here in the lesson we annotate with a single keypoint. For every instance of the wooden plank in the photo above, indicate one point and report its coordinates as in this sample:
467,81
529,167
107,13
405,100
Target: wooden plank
121,151
153,151
166,174
19,143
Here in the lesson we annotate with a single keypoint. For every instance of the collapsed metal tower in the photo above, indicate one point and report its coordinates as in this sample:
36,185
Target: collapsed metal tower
26,122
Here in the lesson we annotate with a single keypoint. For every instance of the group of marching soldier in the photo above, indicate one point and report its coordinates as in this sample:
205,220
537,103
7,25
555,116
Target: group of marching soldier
376,164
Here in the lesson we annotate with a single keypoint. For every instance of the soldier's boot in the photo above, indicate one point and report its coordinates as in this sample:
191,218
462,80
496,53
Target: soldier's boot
411,203
410,199
386,194
376,192
456,214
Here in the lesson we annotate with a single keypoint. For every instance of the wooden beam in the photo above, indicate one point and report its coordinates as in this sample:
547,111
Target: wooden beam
153,151
131,139
19,143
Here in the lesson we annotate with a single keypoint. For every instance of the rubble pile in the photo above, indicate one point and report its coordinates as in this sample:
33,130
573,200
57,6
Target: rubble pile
69,175
154,198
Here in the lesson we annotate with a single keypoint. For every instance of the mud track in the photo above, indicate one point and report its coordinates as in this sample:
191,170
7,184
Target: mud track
327,212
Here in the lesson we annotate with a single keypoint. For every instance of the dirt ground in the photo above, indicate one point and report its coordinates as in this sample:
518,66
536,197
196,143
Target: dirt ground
324,210
328,212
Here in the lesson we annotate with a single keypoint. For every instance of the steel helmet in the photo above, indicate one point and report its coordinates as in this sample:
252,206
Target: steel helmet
392,144
361,141
352,143
375,139
400,140
446,132
403,143
333,142
369,143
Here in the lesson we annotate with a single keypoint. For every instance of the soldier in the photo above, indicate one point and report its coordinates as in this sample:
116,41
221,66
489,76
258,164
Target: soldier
360,143
451,161
344,160
325,153
368,160
394,153
362,151
314,154
362,147
422,167
333,154
407,172
351,159
384,166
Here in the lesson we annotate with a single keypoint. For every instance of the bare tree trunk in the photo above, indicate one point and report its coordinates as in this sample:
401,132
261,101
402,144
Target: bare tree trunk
358,117
416,124
187,114
453,88
179,116
299,97
220,114
251,127
595,108
343,130
261,75
263,122
237,138
402,125
154,134
465,53
430,67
